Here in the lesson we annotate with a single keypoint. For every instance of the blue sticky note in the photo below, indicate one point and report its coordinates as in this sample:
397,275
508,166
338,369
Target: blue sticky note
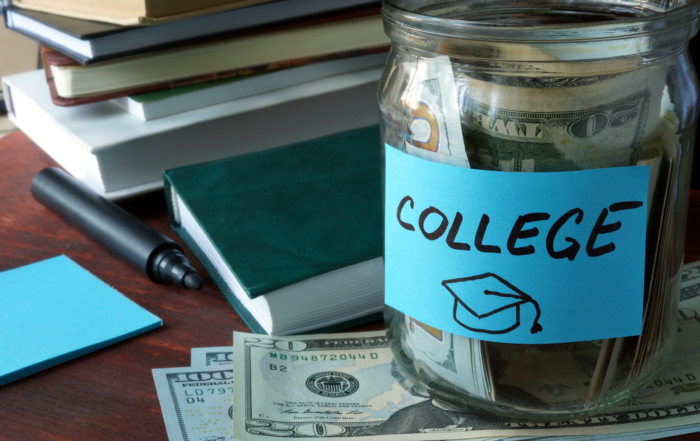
54,310
526,258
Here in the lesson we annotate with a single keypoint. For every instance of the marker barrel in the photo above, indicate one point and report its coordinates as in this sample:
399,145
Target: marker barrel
102,220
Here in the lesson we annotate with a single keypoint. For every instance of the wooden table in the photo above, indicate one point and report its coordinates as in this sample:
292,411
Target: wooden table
109,394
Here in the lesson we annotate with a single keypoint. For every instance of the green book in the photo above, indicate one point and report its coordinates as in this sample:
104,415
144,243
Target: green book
291,235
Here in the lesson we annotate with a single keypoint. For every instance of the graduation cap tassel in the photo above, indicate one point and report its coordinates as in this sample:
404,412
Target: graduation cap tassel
536,327
480,297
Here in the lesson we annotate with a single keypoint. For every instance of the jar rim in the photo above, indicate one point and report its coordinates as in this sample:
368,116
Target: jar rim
684,17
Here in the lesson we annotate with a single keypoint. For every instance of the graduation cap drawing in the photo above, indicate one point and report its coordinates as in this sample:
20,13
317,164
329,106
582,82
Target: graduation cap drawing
490,304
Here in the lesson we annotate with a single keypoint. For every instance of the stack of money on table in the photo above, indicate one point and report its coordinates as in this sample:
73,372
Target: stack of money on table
348,385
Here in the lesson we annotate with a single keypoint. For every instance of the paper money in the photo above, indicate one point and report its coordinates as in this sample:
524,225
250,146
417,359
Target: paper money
328,385
434,126
690,281
664,269
197,402
631,436
217,356
689,313
535,124
461,361
518,123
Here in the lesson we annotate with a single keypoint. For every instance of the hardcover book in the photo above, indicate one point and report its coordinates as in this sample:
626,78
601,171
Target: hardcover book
298,44
118,155
318,65
133,12
90,42
292,235
162,103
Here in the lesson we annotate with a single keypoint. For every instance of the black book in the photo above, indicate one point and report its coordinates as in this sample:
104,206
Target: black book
90,42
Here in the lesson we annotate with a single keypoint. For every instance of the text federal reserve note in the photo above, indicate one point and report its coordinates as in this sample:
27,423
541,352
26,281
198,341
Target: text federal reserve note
197,403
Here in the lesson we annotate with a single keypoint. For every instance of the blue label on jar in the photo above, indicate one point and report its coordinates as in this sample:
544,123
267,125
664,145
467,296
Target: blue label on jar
516,257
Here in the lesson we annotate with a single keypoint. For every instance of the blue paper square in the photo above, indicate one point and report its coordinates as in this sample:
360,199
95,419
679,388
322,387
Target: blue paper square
54,310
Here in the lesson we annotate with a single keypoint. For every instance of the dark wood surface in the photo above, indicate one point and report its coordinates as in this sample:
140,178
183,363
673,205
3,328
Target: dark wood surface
109,394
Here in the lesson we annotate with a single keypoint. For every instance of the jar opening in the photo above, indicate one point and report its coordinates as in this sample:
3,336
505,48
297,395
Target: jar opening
537,13
521,13
545,16
625,28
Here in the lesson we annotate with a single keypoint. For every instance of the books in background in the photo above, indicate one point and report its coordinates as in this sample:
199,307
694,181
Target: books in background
306,249
229,82
88,42
133,12
119,155
350,36
19,54
148,106
259,38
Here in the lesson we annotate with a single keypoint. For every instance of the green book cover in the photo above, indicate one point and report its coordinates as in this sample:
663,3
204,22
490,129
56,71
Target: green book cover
158,95
284,215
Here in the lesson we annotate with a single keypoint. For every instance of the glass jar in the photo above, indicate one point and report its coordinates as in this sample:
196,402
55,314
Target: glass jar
556,88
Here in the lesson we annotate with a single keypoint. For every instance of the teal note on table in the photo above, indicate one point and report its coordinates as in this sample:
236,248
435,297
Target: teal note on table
54,310
527,258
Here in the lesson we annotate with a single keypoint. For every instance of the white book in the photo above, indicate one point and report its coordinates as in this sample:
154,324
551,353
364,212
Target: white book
118,155
172,102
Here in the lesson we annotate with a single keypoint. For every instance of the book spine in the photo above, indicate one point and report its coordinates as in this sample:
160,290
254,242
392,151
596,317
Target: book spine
173,213
242,312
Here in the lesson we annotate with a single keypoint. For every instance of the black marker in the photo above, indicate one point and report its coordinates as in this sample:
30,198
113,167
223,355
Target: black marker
161,259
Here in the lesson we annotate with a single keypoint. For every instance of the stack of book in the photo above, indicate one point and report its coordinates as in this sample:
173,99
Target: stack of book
131,88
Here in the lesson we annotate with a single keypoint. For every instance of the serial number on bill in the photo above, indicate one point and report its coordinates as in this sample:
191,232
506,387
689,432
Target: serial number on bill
324,357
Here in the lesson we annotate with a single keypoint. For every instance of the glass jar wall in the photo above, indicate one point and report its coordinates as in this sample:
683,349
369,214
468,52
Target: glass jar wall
520,70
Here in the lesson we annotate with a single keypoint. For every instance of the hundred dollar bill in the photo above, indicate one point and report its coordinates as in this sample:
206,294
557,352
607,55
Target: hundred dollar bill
539,124
348,385
217,356
197,402
434,125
